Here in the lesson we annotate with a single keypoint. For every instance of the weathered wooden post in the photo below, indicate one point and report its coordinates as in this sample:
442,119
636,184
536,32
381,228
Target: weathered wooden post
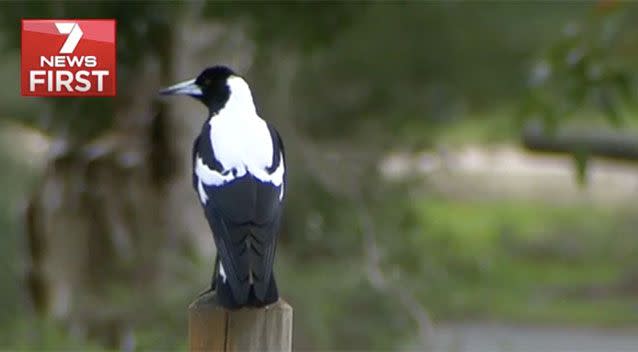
212,328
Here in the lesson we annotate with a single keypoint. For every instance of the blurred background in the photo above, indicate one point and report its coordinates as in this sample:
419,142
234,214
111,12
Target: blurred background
463,176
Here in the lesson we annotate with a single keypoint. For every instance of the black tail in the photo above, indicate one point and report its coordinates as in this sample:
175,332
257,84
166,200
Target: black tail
246,252
226,299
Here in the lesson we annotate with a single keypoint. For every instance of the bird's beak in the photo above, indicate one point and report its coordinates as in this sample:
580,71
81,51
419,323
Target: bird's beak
184,88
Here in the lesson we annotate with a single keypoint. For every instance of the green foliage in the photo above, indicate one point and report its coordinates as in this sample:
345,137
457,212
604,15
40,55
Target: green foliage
525,262
42,335
323,272
298,25
580,163
515,260
587,68
335,306
421,66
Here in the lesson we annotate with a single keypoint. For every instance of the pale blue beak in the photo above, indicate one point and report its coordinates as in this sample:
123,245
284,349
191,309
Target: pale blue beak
184,88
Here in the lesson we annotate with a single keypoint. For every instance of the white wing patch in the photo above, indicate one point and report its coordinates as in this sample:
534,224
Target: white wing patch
207,176
276,178
203,197
278,175
222,272
281,192
211,177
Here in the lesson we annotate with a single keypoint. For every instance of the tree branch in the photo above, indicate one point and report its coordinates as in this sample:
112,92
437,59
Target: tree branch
593,143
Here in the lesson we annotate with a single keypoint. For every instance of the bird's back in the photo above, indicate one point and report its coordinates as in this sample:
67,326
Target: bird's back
243,201
244,175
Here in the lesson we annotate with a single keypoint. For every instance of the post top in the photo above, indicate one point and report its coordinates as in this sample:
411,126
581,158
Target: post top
208,301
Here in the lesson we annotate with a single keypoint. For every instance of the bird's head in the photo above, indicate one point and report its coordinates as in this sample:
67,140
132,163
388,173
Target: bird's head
213,87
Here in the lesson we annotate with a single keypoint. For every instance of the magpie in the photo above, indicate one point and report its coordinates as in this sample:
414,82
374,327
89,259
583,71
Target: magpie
239,177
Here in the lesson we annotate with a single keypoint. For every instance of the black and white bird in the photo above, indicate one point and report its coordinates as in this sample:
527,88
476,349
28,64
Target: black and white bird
239,176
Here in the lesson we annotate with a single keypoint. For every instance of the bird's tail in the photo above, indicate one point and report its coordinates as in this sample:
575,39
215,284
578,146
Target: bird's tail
226,298
271,296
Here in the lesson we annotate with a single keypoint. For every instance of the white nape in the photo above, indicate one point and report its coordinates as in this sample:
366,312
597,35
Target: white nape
241,98
239,137
241,141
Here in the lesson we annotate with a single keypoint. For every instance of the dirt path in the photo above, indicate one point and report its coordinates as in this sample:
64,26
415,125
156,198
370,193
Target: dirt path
511,172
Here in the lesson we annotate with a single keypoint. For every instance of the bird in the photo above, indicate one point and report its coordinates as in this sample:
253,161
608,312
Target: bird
239,176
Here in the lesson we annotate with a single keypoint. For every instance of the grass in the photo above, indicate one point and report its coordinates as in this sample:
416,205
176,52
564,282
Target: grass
27,334
529,262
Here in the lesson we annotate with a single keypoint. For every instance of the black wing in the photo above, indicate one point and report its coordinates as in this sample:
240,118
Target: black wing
271,231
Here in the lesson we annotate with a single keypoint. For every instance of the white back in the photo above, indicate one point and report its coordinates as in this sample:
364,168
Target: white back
240,140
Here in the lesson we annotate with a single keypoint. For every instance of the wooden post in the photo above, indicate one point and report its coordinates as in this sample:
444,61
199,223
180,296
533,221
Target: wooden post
212,328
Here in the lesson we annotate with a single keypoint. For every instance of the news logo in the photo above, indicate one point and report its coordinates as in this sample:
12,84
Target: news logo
72,58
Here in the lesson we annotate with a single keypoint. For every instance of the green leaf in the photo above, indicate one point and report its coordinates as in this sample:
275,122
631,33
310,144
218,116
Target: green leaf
624,85
581,159
610,106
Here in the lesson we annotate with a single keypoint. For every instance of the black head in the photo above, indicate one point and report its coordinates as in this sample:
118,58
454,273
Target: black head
210,87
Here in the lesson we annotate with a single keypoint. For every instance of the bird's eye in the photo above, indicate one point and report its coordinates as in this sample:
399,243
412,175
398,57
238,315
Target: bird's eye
207,81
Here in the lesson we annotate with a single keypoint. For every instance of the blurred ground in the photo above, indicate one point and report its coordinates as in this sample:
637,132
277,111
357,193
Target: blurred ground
491,337
509,172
